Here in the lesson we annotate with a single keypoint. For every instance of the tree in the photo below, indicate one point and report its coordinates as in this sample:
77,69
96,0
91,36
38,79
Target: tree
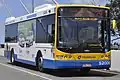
115,11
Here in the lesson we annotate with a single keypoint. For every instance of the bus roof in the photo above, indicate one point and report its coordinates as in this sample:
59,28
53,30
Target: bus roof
44,10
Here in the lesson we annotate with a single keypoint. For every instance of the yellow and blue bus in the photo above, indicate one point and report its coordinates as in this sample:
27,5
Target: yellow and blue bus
60,37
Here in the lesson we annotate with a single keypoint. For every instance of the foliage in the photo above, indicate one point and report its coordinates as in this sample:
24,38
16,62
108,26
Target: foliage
115,11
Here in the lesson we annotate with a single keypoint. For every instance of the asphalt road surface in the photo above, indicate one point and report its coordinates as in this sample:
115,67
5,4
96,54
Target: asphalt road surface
27,72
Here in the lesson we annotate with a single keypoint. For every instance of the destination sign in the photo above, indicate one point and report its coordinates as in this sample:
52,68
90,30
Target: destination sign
83,12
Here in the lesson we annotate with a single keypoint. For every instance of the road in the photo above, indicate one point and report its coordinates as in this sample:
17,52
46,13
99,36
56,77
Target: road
26,72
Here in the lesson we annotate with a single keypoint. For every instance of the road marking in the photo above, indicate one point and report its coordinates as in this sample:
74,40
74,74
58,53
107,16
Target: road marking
25,71
109,72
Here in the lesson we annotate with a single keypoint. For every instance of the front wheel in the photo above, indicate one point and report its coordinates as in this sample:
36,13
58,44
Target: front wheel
85,70
40,63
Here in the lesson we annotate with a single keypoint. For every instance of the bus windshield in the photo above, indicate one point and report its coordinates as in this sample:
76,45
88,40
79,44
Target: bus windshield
79,32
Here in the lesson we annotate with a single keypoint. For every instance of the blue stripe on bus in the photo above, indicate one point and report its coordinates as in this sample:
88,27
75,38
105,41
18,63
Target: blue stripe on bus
74,64
57,64
25,61
7,55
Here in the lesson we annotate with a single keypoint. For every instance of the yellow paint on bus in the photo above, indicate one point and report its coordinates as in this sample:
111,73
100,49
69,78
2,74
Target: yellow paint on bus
59,55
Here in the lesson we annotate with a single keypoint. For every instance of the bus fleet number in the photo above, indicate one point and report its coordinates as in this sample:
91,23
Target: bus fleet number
104,62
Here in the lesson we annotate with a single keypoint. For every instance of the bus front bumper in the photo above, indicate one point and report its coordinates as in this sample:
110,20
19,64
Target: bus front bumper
63,64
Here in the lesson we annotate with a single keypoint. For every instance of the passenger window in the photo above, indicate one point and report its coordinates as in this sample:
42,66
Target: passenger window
51,32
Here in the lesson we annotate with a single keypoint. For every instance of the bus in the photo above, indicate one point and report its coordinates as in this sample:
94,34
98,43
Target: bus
60,37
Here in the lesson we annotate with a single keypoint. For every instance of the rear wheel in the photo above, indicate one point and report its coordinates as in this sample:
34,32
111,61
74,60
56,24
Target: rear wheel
12,58
39,61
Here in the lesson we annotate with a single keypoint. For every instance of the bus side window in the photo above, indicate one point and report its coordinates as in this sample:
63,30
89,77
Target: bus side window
51,32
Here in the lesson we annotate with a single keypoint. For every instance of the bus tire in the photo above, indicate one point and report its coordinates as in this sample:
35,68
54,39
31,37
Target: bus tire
39,61
85,70
12,58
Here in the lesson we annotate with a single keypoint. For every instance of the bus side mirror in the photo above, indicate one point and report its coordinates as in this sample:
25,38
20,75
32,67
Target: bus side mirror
113,24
